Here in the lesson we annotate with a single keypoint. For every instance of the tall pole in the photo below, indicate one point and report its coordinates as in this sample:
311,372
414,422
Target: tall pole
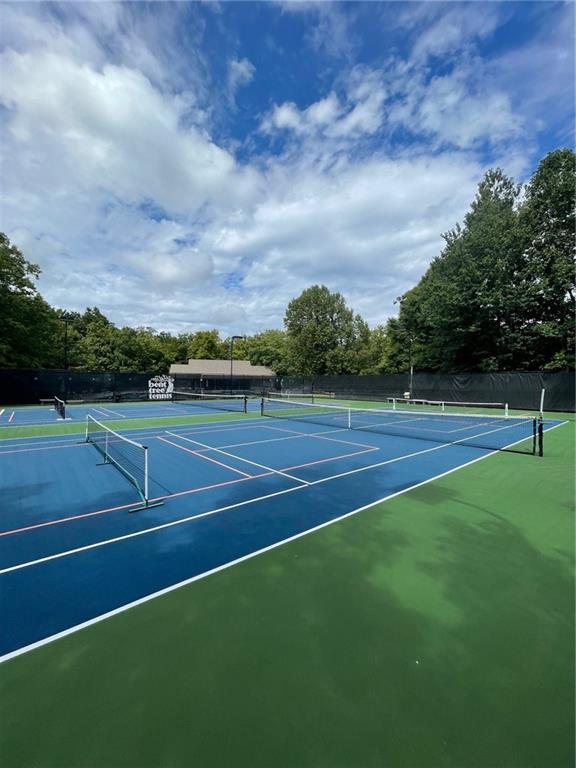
411,364
65,343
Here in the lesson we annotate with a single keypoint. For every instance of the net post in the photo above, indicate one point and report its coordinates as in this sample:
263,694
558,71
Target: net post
245,405
106,448
540,437
349,418
506,412
393,403
146,475
443,407
87,423
262,407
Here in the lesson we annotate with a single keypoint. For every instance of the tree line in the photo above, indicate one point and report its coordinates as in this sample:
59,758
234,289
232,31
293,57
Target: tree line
499,296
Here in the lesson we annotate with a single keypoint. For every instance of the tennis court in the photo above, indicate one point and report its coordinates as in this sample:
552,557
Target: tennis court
56,410
99,522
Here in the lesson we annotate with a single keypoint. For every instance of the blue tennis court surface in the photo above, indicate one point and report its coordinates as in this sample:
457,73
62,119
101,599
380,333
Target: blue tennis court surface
72,552
18,416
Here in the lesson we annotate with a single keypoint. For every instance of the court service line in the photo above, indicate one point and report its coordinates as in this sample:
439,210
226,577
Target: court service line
202,456
42,448
52,441
296,436
320,435
11,416
239,458
243,558
109,410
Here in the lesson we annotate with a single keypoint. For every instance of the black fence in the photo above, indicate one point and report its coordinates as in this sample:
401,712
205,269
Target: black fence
245,385
29,386
26,387
518,389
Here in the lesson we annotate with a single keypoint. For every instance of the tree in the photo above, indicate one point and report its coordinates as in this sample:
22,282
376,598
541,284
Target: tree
352,356
501,294
100,347
27,323
375,354
206,345
548,221
465,312
269,348
320,329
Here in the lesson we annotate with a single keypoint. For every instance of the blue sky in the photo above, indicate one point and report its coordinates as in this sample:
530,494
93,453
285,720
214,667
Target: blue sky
197,165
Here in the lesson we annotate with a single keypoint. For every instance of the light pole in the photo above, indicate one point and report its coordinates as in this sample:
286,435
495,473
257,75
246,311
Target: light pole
65,319
411,366
232,340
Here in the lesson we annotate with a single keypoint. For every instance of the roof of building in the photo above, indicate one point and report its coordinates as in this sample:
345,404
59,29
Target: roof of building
220,368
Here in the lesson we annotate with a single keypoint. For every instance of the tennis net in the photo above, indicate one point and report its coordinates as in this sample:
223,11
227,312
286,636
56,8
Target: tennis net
492,432
60,407
300,397
129,457
218,402
447,406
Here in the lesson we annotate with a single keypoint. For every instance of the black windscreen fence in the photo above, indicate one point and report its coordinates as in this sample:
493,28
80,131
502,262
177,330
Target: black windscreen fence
518,389
30,386
245,385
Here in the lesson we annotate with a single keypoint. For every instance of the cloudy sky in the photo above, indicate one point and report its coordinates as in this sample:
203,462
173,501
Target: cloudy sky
189,166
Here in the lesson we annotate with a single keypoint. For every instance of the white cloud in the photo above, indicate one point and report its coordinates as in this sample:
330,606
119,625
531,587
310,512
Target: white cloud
360,112
460,108
240,72
120,186
443,31
329,29
374,224
112,130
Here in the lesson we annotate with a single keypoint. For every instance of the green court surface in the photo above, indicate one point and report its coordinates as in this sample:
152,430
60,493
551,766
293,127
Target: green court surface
433,630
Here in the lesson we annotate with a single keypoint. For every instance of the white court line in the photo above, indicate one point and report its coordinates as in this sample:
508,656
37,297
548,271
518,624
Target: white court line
239,458
202,456
2,411
11,416
243,558
97,410
108,410
42,448
319,435
295,436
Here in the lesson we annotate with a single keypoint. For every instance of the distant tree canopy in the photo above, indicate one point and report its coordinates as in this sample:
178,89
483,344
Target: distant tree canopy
500,296
27,323
324,335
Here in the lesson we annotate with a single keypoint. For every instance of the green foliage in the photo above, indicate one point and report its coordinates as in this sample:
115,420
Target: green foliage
324,335
206,345
548,221
269,348
501,294
239,349
27,323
